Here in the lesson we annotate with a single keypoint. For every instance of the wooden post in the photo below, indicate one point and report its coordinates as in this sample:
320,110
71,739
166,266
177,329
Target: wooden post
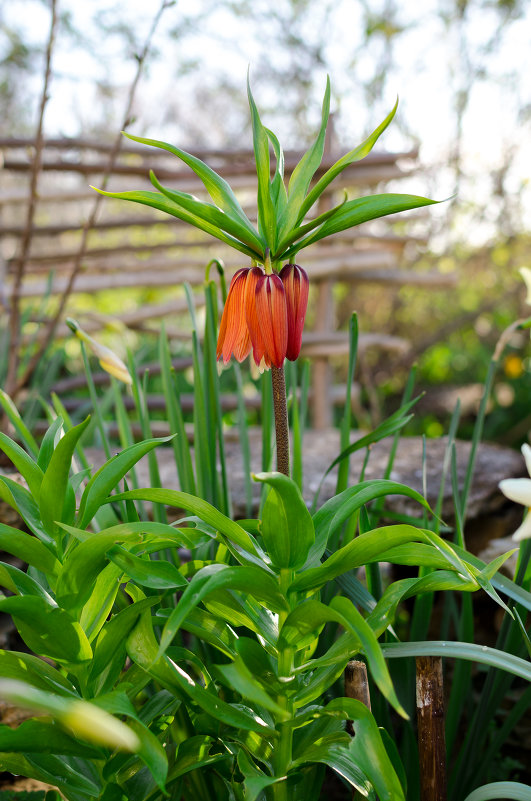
357,686
430,723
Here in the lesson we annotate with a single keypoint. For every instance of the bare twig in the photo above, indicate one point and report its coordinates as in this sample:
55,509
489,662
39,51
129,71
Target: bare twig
89,224
14,315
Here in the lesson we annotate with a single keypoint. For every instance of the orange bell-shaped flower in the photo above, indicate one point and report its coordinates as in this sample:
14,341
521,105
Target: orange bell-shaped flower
296,286
265,312
233,337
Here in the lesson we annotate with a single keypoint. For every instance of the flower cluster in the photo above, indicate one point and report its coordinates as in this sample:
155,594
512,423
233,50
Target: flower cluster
264,312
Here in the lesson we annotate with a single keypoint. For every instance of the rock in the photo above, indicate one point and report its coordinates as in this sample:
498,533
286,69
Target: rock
486,505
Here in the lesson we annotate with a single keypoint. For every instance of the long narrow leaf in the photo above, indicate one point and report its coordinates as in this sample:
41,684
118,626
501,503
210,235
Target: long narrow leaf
349,158
358,211
210,214
216,186
162,203
461,650
266,211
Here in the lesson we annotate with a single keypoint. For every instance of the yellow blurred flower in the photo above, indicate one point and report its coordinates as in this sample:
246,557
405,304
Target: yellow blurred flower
513,366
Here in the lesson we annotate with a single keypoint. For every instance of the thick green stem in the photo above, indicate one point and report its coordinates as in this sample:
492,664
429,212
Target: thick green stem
283,749
281,419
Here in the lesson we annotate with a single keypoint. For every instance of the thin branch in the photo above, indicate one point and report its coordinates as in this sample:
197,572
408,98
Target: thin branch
14,316
89,224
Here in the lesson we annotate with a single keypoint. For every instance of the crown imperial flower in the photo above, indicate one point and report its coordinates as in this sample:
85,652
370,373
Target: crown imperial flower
264,312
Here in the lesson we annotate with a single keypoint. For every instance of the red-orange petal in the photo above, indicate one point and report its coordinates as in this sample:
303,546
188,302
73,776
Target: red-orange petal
251,316
233,337
296,286
272,317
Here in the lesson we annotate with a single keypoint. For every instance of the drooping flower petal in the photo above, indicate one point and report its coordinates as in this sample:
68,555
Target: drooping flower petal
233,337
526,453
251,316
523,532
270,298
517,489
296,286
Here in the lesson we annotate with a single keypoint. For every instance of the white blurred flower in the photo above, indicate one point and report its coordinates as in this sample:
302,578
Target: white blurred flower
525,272
519,490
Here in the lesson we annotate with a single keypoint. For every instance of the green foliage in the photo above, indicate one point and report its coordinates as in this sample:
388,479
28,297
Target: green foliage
283,229
247,710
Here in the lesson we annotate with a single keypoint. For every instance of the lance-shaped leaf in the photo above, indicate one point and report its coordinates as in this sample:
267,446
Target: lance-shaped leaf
216,186
55,488
197,506
304,171
303,624
158,201
25,465
349,158
302,230
287,527
338,509
48,630
159,574
360,551
210,214
142,648
28,548
278,189
368,751
461,650
108,476
37,672
251,580
358,211
266,210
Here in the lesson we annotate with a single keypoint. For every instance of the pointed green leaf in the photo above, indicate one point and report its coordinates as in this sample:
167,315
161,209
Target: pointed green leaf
461,650
158,574
48,630
197,506
28,548
24,464
287,527
54,487
107,477
349,158
48,443
211,214
20,427
216,186
251,580
305,170
355,212
266,211
157,201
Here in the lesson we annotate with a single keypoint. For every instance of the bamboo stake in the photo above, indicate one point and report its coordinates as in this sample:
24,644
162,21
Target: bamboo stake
430,723
357,686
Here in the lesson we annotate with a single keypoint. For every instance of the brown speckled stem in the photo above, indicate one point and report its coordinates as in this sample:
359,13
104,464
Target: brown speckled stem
281,419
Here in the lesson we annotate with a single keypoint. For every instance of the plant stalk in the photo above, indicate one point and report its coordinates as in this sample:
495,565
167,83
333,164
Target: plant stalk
281,419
